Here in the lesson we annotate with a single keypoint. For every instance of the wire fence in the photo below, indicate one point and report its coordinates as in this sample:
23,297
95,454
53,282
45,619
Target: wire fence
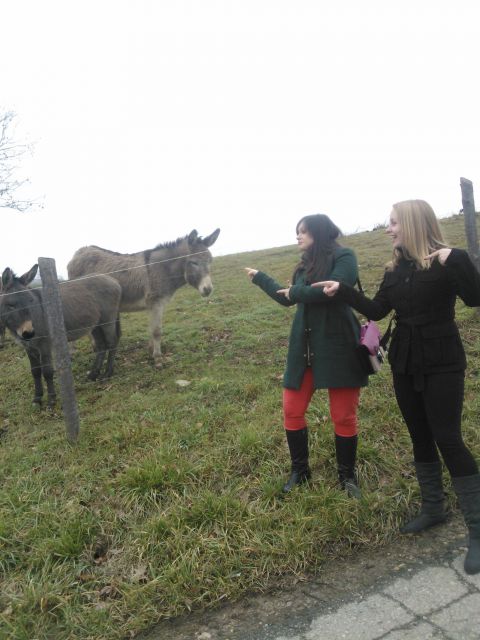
139,266
86,329
122,350
109,273
43,303
467,192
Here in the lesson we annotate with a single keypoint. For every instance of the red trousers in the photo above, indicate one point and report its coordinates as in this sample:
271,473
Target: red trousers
343,406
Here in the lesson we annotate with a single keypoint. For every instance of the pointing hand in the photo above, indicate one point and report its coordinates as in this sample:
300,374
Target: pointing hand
441,254
251,272
330,287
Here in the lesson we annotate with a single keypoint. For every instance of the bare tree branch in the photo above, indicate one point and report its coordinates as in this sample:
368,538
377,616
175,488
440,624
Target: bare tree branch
11,154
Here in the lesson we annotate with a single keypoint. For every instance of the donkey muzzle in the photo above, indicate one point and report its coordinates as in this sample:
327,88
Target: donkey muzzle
205,286
206,291
26,331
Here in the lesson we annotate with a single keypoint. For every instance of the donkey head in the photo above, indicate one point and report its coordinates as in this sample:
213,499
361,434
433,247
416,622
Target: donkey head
16,302
197,266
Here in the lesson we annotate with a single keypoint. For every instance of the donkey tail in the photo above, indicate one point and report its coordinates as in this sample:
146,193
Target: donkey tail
118,327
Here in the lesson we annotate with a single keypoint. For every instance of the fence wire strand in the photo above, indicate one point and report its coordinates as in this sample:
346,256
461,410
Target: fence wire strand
108,273
119,351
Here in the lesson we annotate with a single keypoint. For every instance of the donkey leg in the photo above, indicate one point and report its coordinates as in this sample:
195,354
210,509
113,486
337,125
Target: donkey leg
156,316
110,363
100,349
111,335
36,369
47,371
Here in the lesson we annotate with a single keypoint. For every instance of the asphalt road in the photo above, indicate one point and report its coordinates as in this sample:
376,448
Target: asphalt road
412,589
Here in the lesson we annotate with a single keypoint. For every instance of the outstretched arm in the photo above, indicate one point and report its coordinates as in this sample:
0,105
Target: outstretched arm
269,285
374,309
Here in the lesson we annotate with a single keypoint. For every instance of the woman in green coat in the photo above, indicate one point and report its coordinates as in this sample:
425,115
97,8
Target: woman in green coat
322,349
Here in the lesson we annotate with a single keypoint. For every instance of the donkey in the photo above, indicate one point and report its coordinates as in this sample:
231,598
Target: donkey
89,306
150,278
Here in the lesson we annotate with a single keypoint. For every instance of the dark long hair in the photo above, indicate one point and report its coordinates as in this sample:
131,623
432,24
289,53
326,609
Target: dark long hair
317,261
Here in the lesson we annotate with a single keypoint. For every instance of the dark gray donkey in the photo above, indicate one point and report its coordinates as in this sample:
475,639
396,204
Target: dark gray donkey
90,306
150,278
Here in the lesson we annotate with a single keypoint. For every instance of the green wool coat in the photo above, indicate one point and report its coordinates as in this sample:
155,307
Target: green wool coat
325,332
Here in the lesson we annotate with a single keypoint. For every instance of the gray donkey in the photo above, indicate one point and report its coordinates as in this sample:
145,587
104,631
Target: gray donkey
90,306
150,278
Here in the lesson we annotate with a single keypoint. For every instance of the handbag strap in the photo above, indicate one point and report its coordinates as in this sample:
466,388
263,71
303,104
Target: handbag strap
385,339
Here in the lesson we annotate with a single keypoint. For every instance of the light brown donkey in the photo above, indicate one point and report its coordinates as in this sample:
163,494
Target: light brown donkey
150,278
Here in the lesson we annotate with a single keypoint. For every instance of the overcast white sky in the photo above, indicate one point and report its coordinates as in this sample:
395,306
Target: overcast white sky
152,118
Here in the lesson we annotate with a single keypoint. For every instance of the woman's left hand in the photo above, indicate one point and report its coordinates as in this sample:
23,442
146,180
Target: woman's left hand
330,287
441,254
285,292
251,273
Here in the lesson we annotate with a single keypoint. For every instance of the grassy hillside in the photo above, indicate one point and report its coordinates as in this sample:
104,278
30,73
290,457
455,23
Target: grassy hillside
169,502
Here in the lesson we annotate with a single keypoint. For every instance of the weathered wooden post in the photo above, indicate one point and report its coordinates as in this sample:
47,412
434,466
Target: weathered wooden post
468,203
58,340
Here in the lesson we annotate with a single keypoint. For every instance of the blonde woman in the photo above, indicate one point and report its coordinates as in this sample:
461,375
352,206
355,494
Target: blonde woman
427,358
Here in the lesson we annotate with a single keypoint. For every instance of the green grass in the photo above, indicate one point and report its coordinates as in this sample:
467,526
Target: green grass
170,501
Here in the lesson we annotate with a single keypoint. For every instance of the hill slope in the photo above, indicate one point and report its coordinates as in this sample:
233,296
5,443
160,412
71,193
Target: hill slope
169,501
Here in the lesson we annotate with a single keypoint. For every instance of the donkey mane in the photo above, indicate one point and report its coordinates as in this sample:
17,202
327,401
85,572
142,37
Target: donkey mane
172,244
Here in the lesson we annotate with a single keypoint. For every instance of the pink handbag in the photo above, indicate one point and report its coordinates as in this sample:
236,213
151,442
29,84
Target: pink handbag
372,347
370,336
370,350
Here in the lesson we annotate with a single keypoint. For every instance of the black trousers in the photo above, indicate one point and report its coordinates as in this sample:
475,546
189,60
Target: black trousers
433,417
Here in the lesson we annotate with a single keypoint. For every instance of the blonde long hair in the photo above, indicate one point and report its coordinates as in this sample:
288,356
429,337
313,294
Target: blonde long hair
421,233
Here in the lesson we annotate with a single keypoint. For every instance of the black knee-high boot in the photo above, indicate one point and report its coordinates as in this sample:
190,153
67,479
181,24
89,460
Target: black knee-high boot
346,452
468,492
429,476
298,446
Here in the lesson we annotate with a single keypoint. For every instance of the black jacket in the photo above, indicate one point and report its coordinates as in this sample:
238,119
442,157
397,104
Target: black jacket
425,339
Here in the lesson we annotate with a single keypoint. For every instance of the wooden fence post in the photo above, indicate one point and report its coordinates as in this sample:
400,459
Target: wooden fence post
58,340
468,204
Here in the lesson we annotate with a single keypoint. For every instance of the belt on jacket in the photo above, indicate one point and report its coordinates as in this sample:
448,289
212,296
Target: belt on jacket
414,323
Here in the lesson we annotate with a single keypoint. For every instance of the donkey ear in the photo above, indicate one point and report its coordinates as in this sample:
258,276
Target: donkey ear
192,236
29,276
209,240
7,277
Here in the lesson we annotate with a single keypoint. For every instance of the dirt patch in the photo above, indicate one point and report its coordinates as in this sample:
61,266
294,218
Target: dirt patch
258,616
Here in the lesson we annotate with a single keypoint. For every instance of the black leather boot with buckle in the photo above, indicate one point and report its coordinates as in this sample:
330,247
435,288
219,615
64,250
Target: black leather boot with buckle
346,452
298,446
